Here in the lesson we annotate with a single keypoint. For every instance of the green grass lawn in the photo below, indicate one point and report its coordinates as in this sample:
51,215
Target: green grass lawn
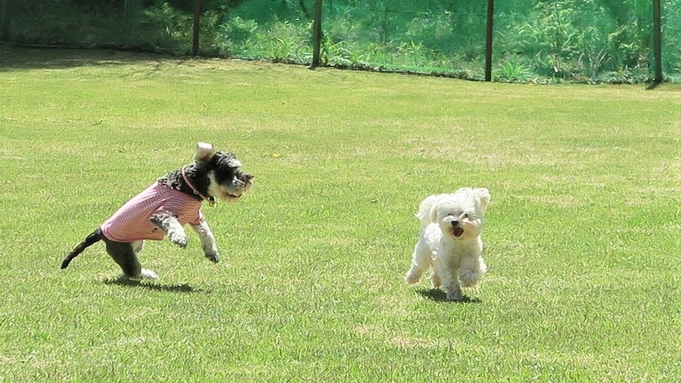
582,238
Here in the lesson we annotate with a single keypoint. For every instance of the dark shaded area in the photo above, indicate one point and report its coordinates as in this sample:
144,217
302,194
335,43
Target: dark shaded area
653,85
438,295
172,288
14,57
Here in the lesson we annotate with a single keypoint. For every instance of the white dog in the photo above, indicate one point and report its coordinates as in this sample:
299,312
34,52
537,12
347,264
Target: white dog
450,240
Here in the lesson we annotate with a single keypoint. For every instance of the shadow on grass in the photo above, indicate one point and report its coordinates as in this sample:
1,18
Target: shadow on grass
21,57
438,295
653,85
174,288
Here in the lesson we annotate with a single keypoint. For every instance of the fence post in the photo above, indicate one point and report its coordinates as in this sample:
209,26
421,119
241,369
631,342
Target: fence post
197,29
488,40
317,33
657,40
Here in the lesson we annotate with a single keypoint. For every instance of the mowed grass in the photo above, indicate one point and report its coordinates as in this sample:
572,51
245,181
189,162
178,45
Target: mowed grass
583,235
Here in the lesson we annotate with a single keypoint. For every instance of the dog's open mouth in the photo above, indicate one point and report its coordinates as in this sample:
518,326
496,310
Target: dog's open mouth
457,232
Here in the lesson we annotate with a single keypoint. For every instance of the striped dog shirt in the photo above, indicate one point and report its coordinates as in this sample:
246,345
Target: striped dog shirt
132,221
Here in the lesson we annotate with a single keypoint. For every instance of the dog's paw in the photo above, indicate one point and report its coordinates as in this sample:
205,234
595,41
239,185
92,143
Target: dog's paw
214,257
454,293
149,274
411,279
435,281
144,273
468,278
454,296
180,239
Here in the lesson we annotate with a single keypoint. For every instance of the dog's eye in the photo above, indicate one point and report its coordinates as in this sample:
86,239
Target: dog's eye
465,215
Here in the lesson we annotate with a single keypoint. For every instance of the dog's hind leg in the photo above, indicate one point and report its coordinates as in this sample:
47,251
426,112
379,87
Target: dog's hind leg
449,278
421,261
137,246
435,280
123,253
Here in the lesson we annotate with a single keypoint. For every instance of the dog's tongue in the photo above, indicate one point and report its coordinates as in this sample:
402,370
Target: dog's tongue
458,232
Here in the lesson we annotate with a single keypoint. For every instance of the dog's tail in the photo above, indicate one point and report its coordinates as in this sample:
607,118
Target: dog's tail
91,239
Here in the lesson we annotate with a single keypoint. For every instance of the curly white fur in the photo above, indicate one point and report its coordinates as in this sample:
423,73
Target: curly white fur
450,240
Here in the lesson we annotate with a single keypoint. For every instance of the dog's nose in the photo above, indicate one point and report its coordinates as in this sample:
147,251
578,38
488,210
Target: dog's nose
455,222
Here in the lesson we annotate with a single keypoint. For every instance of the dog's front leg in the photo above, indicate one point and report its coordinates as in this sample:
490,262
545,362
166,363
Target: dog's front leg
210,249
471,270
421,260
448,278
172,227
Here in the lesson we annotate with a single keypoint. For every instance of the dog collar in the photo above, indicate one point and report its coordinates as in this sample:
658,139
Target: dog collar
211,199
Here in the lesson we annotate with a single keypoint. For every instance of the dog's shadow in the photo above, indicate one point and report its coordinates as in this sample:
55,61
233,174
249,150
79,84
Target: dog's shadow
172,288
440,296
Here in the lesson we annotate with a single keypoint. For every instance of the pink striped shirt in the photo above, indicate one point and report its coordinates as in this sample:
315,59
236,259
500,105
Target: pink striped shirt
131,222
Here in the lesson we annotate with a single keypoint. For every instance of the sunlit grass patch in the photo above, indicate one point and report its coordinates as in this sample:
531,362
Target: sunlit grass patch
581,235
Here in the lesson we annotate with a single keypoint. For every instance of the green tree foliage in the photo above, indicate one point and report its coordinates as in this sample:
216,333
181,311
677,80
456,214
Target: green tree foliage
535,40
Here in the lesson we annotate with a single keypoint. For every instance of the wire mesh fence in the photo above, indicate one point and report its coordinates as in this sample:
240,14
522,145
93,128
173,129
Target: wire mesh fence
533,40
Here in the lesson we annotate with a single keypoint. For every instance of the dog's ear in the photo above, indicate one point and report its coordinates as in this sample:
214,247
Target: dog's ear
428,210
204,151
227,159
483,198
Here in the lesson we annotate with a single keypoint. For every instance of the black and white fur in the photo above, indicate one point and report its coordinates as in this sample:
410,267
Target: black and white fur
213,175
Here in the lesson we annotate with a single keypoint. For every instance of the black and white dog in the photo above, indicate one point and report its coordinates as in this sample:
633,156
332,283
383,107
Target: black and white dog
166,206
